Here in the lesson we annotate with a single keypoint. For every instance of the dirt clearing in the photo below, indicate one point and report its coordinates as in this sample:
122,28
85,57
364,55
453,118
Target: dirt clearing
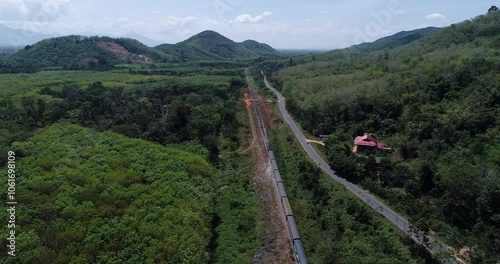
276,247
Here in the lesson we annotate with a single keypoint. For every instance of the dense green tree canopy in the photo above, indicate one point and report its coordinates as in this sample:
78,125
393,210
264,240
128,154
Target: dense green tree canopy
435,101
101,197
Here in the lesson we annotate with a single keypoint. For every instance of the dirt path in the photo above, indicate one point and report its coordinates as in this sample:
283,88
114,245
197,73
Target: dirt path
316,142
248,103
276,247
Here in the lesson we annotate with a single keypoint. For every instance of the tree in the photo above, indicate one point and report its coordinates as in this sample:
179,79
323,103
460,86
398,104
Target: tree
102,63
492,9
78,226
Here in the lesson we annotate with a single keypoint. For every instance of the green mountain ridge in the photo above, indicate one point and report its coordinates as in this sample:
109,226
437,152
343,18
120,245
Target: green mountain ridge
396,40
258,47
210,45
80,52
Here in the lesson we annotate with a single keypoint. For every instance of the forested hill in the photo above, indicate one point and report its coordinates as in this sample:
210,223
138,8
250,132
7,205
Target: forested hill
78,52
259,48
436,103
210,45
10,37
101,53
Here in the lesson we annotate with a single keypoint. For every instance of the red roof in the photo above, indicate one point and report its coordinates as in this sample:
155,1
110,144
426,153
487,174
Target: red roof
369,142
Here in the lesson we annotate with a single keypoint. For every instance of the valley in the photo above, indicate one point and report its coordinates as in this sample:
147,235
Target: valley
127,153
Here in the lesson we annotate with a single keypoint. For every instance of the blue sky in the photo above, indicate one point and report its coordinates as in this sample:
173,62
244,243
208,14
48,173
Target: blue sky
315,24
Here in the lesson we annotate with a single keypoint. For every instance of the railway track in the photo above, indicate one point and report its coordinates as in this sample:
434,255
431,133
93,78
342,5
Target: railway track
403,224
298,248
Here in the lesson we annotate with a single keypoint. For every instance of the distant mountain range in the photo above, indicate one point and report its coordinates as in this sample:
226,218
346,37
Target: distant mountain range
79,52
10,37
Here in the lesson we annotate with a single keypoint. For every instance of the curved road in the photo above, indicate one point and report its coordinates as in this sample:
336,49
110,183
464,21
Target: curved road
392,216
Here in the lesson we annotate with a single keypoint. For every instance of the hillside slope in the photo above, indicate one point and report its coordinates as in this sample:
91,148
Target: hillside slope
396,40
101,53
78,52
210,45
435,102
259,48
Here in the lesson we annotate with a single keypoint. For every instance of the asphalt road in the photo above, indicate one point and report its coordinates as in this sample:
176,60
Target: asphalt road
370,200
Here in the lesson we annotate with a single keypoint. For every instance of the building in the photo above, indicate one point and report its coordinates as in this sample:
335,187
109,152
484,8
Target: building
368,142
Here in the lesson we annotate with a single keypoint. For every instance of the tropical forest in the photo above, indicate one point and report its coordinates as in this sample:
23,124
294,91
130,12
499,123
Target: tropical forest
115,151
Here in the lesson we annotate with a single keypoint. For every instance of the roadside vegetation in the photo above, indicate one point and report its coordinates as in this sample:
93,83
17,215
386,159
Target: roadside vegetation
133,165
435,102
161,109
131,154
334,225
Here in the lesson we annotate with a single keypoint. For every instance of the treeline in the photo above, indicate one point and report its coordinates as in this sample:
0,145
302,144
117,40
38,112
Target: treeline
210,45
72,52
78,53
90,197
4,50
103,53
436,103
164,112
334,225
41,119
153,69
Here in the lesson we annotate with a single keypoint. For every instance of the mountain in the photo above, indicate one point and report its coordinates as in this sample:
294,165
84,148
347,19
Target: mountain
210,45
396,40
80,52
260,48
6,50
10,37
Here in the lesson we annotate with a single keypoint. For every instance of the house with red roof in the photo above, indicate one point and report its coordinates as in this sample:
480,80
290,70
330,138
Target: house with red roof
368,142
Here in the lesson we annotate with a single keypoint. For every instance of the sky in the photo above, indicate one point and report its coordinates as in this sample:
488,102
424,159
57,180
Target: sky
284,24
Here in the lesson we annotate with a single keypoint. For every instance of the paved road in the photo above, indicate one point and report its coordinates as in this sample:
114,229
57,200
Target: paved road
392,216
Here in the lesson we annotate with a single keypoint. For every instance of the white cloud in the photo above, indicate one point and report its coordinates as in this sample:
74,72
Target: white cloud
13,8
246,18
435,16
308,20
173,23
33,10
323,12
53,7
123,20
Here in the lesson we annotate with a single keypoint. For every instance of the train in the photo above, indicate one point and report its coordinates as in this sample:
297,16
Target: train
300,254
298,247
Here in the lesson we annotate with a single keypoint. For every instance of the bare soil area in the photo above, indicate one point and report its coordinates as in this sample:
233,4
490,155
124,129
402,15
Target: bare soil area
276,247
123,53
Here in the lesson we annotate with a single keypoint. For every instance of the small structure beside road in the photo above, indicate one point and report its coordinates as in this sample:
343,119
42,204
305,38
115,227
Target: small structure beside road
368,142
